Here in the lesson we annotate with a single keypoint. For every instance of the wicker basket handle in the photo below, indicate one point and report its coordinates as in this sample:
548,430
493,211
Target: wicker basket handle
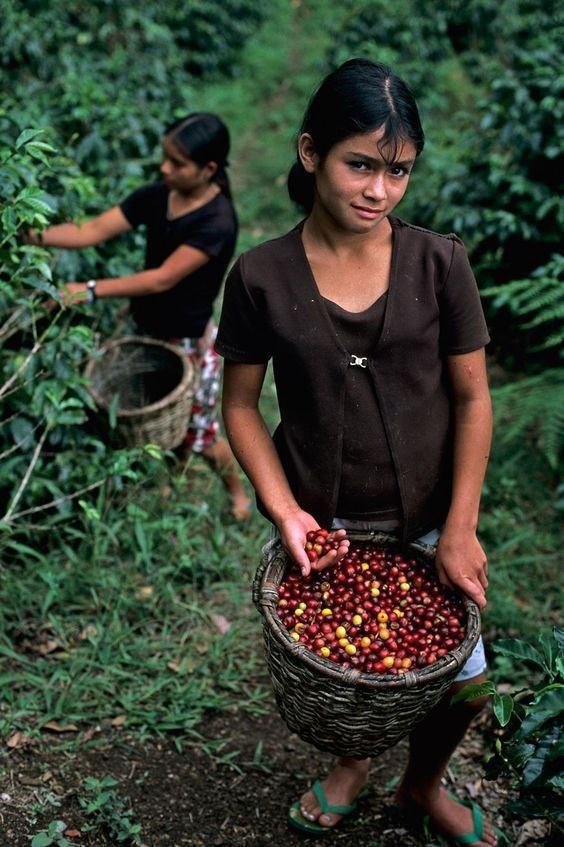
264,562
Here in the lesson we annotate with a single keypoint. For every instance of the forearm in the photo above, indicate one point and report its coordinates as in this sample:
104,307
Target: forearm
133,285
69,236
254,449
472,441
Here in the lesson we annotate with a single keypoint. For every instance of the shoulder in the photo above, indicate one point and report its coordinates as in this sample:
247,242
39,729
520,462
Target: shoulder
427,238
277,252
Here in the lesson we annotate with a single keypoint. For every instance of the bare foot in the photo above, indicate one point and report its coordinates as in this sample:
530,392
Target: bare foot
240,506
341,787
450,818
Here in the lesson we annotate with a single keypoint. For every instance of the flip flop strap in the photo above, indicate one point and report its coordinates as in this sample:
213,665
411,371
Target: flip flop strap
326,807
478,823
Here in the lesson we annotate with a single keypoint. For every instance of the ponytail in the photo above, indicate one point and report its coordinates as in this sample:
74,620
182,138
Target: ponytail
301,186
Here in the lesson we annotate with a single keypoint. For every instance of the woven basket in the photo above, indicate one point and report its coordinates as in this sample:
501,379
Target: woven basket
155,384
342,710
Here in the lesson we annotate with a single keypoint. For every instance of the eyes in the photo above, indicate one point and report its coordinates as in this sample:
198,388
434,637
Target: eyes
395,170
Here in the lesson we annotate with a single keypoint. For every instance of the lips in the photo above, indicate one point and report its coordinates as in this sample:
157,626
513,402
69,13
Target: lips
367,212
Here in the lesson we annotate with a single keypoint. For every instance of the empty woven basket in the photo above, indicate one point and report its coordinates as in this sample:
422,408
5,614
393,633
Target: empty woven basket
338,709
154,383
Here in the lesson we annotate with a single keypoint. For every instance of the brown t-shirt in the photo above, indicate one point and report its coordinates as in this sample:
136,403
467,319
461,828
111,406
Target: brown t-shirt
368,489
273,308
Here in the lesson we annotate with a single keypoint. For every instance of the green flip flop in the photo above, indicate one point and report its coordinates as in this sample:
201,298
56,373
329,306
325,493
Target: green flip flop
477,823
297,820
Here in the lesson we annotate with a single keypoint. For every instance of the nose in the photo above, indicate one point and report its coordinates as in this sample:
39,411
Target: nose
375,188
165,167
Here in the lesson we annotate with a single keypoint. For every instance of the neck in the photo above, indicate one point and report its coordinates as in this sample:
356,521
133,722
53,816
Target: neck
322,230
194,199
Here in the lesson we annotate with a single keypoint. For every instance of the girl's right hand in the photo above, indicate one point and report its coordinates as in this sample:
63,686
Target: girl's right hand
293,531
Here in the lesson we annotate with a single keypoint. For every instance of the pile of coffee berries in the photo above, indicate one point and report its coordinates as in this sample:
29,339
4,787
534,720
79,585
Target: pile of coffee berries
318,543
375,610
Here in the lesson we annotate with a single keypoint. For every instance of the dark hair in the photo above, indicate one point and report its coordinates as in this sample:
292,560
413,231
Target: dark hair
360,96
203,137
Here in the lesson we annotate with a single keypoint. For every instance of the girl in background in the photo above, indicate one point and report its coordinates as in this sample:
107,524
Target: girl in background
191,229
377,336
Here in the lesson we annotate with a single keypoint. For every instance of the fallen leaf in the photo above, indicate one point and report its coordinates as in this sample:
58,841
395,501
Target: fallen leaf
46,776
89,631
72,833
535,830
222,624
119,721
201,647
47,647
90,733
53,726
173,666
145,592
18,739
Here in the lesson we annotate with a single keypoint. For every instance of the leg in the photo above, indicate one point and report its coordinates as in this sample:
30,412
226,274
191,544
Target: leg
203,432
222,460
431,745
342,787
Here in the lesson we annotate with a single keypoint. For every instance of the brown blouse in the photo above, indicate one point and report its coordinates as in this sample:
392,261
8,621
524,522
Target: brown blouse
272,308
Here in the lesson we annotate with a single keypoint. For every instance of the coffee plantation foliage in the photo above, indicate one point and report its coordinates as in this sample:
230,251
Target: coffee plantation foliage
489,80
88,89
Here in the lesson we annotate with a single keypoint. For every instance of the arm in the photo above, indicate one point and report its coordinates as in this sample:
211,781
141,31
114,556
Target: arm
180,264
74,236
255,451
460,560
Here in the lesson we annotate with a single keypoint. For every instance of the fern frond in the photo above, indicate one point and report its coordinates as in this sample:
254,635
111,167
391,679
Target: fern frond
533,407
539,296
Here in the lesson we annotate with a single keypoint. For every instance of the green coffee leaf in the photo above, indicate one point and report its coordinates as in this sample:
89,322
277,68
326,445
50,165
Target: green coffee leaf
503,708
472,692
22,139
519,650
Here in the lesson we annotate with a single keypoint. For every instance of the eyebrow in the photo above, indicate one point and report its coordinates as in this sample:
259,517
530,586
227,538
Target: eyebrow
373,160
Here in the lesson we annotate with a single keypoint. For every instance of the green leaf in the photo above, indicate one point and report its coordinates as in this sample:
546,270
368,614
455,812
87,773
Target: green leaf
91,513
503,708
549,646
531,724
558,637
551,700
22,139
42,840
519,650
534,768
45,286
153,450
472,692
113,410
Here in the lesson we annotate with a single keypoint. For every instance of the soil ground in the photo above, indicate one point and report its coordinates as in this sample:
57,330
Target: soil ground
190,799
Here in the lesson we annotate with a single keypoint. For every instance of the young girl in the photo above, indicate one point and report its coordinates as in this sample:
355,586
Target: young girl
377,338
191,232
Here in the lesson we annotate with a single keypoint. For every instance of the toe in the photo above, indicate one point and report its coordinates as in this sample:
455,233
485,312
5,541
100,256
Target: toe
328,820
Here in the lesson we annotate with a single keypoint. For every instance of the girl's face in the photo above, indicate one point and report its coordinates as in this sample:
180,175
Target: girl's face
183,174
356,186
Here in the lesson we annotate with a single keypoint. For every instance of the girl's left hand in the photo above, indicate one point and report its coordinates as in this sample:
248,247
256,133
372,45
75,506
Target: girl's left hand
461,563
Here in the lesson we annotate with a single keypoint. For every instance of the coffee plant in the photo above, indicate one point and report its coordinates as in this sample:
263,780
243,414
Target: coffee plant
531,748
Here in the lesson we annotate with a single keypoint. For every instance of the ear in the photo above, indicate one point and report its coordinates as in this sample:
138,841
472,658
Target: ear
211,168
307,154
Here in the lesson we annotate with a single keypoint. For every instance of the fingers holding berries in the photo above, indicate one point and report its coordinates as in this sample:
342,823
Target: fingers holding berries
324,548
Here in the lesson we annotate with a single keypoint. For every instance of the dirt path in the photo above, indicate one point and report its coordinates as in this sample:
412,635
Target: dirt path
191,799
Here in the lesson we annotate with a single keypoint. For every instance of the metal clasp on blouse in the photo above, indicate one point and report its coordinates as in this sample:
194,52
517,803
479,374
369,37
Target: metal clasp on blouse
361,361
